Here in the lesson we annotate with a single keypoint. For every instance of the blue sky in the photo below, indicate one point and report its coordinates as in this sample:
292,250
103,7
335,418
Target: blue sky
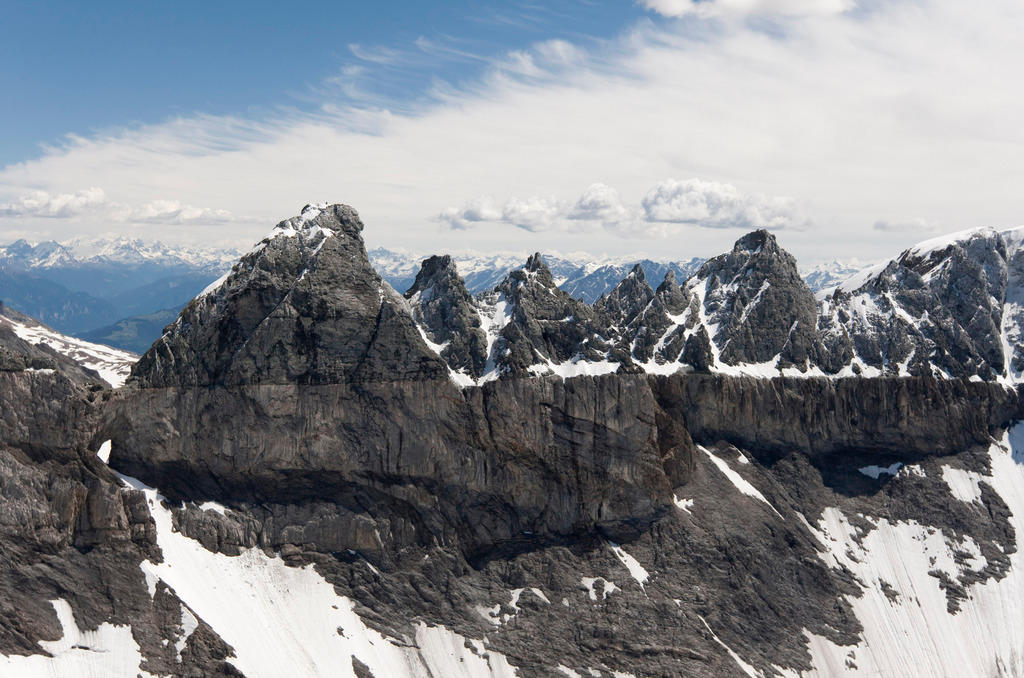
81,67
669,128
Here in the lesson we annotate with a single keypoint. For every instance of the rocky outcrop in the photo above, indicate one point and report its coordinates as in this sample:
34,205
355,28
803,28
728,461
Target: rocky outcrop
303,306
445,311
935,309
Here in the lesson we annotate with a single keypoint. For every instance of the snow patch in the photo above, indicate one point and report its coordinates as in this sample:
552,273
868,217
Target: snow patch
109,651
684,504
607,587
738,481
636,570
963,484
876,471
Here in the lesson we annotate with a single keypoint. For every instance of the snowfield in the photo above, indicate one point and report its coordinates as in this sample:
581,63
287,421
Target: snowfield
113,364
288,621
914,634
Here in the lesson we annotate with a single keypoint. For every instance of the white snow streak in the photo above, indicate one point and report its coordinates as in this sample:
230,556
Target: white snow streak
738,481
108,652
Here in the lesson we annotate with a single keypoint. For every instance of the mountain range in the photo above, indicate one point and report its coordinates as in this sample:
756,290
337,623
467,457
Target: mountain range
123,291
310,473
84,286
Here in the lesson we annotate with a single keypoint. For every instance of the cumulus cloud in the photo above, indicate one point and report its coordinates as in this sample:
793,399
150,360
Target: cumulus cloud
59,206
475,211
713,205
531,214
709,8
916,225
94,202
693,202
599,203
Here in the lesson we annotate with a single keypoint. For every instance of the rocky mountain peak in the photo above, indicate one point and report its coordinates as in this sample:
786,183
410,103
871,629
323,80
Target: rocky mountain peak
761,306
627,299
535,263
939,305
445,312
535,270
432,269
756,242
303,306
671,294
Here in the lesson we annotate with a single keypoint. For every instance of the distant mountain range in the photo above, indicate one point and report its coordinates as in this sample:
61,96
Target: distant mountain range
582,276
123,291
89,287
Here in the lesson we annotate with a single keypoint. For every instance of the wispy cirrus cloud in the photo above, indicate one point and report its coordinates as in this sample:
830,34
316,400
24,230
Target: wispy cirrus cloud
915,225
740,8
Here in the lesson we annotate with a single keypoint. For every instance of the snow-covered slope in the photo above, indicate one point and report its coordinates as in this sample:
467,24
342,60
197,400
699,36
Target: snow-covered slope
111,363
904,570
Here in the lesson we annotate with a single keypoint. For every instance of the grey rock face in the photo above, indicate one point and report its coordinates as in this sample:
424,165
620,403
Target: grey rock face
305,306
514,461
444,309
940,309
761,306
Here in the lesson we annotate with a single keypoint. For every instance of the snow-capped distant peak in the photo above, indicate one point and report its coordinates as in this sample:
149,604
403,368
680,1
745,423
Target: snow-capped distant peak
112,249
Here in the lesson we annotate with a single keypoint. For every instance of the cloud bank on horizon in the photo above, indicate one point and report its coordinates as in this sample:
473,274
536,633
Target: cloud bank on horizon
826,119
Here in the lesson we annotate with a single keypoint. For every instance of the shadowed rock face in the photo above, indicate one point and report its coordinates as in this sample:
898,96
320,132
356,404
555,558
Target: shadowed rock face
479,469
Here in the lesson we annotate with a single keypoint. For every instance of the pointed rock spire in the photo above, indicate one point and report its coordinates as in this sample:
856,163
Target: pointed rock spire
443,308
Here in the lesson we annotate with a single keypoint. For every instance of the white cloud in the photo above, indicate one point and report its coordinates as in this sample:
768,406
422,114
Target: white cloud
703,204
600,203
94,202
60,206
713,205
531,214
917,225
174,212
737,8
473,212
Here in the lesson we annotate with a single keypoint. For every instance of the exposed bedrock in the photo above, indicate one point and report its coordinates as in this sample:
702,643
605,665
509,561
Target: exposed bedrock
912,416
513,461
518,462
